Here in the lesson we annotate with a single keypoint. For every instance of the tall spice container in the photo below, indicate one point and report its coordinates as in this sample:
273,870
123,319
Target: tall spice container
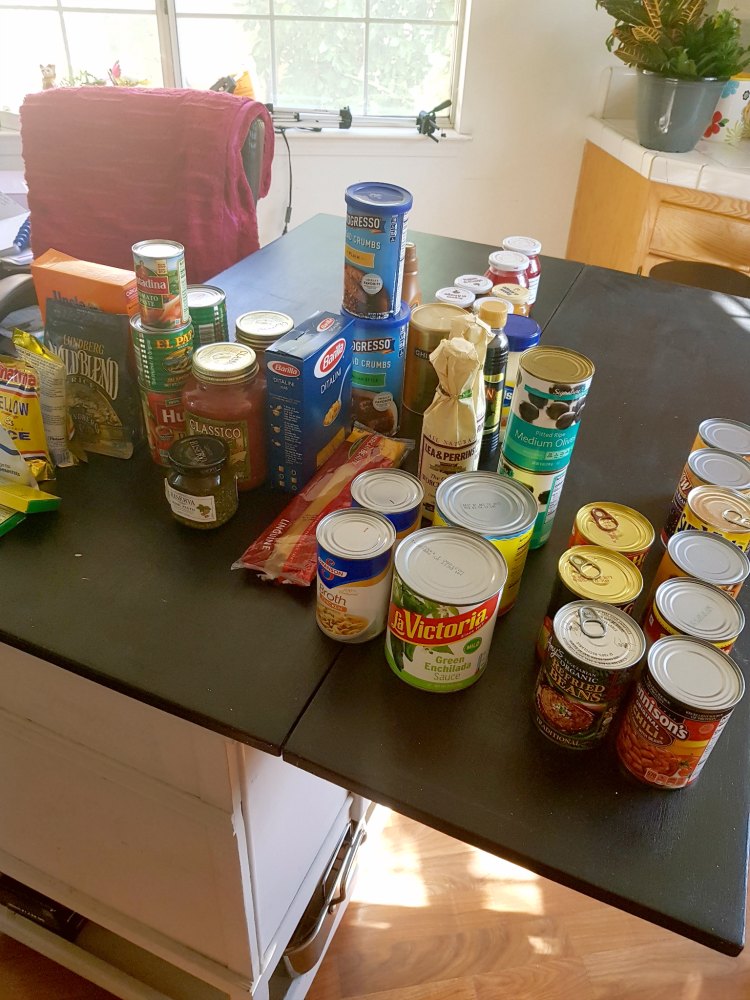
494,315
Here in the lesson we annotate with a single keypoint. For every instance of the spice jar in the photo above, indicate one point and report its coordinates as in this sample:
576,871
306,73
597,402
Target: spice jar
225,399
532,248
200,487
518,296
508,268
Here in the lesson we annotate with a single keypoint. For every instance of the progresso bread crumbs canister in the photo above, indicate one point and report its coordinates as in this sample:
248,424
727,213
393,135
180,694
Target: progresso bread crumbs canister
394,493
726,435
677,712
496,508
161,283
592,656
718,511
688,607
706,557
208,311
429,324
613,526
378,357
446,592
707,466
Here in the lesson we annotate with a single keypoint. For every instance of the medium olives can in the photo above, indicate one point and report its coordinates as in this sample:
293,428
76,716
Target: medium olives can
429,324
688,607
718,511
394,493
613,526
678,710
161,283
164,416
591,658
446,592
496,508
546,489
706,557
706,466
208,311
592,573
162,357
726,435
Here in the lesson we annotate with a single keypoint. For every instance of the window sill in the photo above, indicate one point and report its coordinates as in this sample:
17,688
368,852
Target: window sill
373,141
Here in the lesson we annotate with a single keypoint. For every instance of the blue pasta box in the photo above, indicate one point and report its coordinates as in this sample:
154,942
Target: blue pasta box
309,398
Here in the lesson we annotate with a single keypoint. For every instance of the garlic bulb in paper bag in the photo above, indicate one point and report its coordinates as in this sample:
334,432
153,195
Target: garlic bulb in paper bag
449,433
477,334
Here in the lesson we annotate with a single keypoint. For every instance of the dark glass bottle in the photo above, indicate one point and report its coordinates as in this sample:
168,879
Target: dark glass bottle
493,315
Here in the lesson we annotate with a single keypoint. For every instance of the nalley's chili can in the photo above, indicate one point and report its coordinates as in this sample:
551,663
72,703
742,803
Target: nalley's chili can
706,557
682,606
718,511
429,324
162,357
591,658
613,526
394,493
677,712
546,489
727,435
707,466
161,283
164,417
208,311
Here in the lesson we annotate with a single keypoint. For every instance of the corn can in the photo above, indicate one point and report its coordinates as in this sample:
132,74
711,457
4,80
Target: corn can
706,466
394,493
591,658
718,511
613,526
162,357
429,324
161,283
208,311
709,558
688,607
164,417
727,435
677,712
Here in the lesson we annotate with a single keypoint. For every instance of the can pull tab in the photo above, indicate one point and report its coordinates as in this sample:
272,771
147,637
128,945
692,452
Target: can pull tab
591,624
736,517
604,520
588,569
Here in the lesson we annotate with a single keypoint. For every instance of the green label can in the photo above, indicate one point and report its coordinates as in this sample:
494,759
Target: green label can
162,357
546,489
208,311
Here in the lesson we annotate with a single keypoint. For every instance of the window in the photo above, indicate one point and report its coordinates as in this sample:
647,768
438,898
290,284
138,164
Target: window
383,58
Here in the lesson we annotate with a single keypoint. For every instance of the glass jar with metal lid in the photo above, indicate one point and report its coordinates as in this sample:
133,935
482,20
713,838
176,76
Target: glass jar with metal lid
259,329
223,398
200,487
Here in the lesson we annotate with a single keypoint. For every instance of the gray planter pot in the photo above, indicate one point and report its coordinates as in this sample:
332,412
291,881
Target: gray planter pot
672,114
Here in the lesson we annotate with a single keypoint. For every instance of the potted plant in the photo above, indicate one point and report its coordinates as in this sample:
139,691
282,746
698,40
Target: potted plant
684,57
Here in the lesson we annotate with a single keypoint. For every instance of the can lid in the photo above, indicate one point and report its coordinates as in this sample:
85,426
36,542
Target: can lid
522,333
224,363
695,673
487,503
699,609
200,296
355,534
494,312
458,296
261,327
450,566
476,283
387,490
434,317
381,325
508,260
519,295
198,453
724,509
158,248
729,435
557,364
378,196
708,557
523,244
599,635
615,526
138,326
597,574
720,468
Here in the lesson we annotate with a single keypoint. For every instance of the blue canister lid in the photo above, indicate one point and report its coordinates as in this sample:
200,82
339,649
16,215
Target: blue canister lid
393,322
522,332
376,195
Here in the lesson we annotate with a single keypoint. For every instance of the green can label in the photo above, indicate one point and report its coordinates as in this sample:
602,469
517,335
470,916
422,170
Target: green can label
543,423
162,358
232,432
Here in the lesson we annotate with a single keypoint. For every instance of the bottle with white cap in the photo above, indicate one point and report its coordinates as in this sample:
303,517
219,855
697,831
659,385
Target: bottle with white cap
494,314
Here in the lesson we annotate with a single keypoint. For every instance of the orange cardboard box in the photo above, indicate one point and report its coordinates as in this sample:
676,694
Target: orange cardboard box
83,283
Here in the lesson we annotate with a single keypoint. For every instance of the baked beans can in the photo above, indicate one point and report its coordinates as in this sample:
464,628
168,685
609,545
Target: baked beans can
162,357
709,558
496,508
546,489
546,408
688,607
590,573
718,511
677,712
591,658
394,493
260,328
726,435
355,564
446,592
378,357
164,417
208,311
707,466
613,526
161,283
429,324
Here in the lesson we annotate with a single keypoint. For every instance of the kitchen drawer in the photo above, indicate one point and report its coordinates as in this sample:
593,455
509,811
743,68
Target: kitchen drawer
684,233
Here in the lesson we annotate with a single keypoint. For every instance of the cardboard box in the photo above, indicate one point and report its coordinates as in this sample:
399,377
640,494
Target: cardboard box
83,283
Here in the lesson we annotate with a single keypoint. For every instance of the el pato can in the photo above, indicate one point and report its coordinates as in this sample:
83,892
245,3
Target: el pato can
706,557
208,311
707,466
613,526
546,489
591,658
162,357
164,417
161,283
718,511
590,573
446,592
688,607
677,712
726,435
394,493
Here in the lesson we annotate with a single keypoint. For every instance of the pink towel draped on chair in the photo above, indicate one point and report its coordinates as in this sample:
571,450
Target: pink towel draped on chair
107,166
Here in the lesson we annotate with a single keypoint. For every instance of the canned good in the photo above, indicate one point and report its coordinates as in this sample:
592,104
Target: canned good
591,658
546,408
161,283
394,493
613,526
477,284
378,355
429,324
162,357
709,558
447,584
462,297
718,511
727,435
208,311
261,327
707,466
678,710
164,416
355,550
546,489
496,508
590,573
376,222
688,607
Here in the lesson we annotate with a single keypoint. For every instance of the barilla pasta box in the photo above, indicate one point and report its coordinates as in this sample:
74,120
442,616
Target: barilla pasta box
74,282
309,398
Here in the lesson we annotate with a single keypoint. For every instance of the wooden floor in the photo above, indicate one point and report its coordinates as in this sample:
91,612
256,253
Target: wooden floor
433,919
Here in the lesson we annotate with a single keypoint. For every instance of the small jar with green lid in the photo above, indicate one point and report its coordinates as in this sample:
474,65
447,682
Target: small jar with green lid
201,489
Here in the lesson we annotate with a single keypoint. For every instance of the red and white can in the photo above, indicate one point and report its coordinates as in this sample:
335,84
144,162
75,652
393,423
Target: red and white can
164,417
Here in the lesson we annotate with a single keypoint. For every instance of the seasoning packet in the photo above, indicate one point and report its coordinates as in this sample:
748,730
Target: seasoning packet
478,335
13,469
450,442
21,415
287,549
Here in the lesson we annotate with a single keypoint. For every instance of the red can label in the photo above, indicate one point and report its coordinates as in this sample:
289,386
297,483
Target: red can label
165,422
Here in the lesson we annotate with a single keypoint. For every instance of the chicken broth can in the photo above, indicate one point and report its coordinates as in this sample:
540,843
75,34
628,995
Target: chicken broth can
591,658
429,324
161,283
706,557
495,507
677,712
727,435
164,417
613,526
707,466
718,511
688,607
446,592
546,489
162,357
355,562
208,311
394,493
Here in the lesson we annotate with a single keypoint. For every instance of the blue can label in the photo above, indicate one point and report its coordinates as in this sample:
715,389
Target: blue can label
352,603
543,423
374,263
378,375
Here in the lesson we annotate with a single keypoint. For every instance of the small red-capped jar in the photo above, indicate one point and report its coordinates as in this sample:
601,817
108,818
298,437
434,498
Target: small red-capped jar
508,268
531,248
